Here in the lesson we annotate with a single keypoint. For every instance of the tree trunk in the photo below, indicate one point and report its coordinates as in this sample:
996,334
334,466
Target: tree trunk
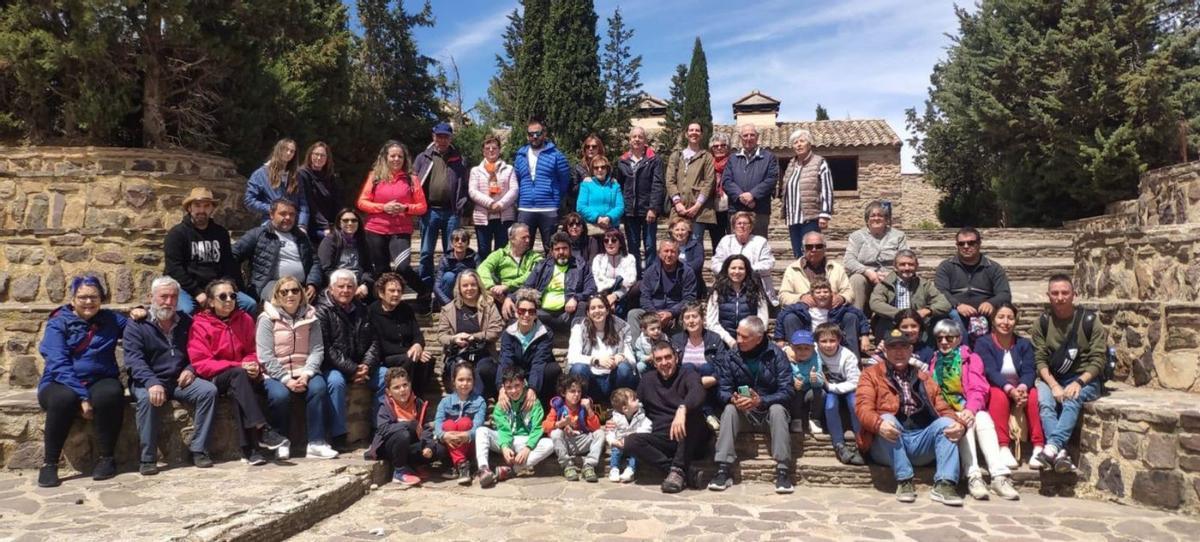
154,130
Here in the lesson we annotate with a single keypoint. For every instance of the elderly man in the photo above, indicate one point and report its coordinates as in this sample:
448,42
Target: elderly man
444,178
505,270
796,287
666,287
906,422
973,284
755,384
1069,347
640,173
672,398
344,330
156,356
276,249
903,289
543,180
750,177
564,284
806,191
198,250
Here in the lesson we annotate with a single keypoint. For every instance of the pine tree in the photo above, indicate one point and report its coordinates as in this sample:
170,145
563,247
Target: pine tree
697,104
822,114
673,125
571,97
499,108
529,66
620,73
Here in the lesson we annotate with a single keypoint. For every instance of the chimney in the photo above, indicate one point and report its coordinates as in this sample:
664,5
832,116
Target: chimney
756,108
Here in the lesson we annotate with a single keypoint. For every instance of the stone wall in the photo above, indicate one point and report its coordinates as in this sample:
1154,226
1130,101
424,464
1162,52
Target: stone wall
1170,195
919,202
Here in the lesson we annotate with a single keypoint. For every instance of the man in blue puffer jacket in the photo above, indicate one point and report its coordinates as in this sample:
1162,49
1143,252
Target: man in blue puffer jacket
543,177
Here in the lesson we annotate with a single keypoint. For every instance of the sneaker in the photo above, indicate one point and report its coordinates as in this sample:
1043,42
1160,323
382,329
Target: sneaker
722,480
614,474
1063,464
272,440
814,428
571,473
783,481
713,422
844,453
976,487
796,426
405,477
505,473
1047,457
674,481
320,450
487,478
148,468
254,458
283,453
1006,458
48,476
1002,486
106,467
856,458
944,493
626,475
589,474
906,491
464,474
202,460
1035,459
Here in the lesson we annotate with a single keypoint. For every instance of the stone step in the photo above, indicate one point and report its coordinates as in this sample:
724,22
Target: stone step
1017,269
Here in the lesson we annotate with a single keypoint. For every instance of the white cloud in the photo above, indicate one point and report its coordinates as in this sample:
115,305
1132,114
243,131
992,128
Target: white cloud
473,34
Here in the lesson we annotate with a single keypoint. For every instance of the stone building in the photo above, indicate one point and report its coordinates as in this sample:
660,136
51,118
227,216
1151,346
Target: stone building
863,155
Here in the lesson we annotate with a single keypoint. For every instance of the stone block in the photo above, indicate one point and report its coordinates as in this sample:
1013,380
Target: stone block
1162,451
74,254
24,372
56,284
1132,427
148,258
1178,370
1159,488
1189,420
1109,478
1108,434
1143,368
1089,440
1190,443
25,289
3,283
24,326
1128,444
1181,338
111,256
37,212
123,292
138,196
27,455
67,240
1189,463
1164,420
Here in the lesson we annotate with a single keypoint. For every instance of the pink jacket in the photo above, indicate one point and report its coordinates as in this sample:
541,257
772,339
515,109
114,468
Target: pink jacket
975,384
478,190
374,196
216,346
289,347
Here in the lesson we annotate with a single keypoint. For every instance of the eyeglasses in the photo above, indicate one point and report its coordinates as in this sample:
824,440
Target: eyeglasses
591,146
349,221
818,246
289,291
88,298
225,297
526,312
947,338
965,244
537,133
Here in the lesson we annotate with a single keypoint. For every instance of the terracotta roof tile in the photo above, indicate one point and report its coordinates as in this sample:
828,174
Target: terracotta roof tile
826,133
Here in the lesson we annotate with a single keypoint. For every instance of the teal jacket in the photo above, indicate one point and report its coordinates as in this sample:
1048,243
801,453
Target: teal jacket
802,369
599,198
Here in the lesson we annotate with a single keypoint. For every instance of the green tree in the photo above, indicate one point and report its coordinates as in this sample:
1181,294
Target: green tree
668,139
571,96
697,104
822,114
529,65
499,108
621,75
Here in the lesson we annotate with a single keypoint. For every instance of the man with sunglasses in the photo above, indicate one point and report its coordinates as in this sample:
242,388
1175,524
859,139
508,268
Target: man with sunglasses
198,250
543,179
797,278
974,284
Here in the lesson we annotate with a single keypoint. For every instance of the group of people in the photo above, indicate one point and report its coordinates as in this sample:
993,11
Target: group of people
658,359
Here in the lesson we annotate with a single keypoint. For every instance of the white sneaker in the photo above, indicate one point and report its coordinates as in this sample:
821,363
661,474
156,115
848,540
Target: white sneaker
1006,457
977,488
627,475
614,475
320,450
1034,462
814,428
283,453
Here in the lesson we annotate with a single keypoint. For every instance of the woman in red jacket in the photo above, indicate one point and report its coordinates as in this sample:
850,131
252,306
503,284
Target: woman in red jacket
221,347
391,199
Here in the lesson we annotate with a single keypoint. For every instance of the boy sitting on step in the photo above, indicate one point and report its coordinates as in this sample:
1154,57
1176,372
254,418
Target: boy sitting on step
518,432
574,428
809,382
627,419
841,382
402,437
651,327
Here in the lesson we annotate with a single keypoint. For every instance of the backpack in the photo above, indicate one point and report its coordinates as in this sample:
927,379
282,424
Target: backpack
1089,325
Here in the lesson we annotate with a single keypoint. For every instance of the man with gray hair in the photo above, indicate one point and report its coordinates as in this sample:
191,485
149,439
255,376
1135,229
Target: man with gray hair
505,270
156,356
346,335
806,191
750,178
755,382
640,173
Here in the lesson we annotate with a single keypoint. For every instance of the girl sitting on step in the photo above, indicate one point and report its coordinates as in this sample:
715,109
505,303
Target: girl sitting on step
458,416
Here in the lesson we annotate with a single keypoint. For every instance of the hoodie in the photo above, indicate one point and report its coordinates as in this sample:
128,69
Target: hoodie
195,257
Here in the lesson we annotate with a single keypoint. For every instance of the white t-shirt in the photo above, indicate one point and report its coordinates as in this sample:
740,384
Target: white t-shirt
1009,369
533,158
819,316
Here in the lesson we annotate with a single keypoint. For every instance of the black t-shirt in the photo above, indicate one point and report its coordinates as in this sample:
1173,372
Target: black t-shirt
467,320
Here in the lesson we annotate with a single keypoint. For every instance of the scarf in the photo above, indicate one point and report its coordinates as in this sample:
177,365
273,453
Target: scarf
490,168
405,412
719,166
949,377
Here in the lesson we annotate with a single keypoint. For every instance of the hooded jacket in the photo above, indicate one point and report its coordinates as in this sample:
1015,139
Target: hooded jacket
478,190
877,395
216,345
518,421
452,265
195,257
79,352
578,283
259,195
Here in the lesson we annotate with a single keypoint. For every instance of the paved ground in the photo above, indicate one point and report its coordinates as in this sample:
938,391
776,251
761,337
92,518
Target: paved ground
549,508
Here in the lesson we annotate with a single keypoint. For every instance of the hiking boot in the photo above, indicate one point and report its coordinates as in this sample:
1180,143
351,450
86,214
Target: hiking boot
723,479
1063,464
906,491
48,476
202,460
106,467
856,458
1002,486
254,458
148,468
976,487
272,440
943,492
405,477
589,474
674,481
464,474
571,473
783,481
487,478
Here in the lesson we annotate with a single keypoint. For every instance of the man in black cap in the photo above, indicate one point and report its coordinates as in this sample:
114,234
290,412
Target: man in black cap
443,177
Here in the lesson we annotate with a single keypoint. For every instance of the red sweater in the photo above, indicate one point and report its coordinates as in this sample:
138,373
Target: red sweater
400,189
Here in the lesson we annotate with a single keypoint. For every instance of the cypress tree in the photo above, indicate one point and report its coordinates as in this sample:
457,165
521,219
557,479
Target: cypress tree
822,114
570,96
674,123
697,104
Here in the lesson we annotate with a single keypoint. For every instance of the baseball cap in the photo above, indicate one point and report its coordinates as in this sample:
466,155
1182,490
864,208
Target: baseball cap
443,128
802,336
895,337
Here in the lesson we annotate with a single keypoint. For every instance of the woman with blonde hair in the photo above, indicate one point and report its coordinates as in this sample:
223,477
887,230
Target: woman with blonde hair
468,329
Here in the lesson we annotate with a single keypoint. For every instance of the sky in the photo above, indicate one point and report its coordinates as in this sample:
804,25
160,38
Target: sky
860,59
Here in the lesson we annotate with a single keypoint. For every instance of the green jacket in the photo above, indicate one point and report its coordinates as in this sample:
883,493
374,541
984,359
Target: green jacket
1091,356
926,296
512,423
500,268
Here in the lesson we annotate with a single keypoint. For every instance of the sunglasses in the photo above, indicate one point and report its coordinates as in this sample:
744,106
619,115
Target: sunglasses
574,224
289,291
818,246
612,241
534,134
591,146
458,239
225,296
966,244
349,221
601,166
947,338
720,146
526,312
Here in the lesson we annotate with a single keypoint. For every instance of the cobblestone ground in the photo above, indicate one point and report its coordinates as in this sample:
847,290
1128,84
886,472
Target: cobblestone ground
548,508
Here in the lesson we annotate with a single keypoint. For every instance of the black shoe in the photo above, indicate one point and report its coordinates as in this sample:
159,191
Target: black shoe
844,454
783,480
856,458
272,440
723,479
340,445
106,467
674,481
1063,465
695,478
148,468
48,476
201,460
254,458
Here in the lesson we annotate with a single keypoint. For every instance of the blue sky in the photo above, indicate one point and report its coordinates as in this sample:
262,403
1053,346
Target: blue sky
860,59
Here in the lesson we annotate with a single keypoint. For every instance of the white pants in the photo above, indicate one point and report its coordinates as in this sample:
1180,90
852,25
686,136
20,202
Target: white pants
487,440
981,437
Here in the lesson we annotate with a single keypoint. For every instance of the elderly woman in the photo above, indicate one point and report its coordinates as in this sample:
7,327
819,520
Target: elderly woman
718,145
81,377
614,271
291,350
344,331
1009,364
493,189
528,344
396,339
736,295
807,191
691,186
599,350
753,247
221,349
871,251
699,348
958,374
468,329
346,248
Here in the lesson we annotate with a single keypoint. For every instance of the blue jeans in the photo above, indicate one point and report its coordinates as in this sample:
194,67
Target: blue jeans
918,447
279,399
601,386
335,409
544,222
642,239
493,236
202,394
833,416
188,305
1058,421
616,454
377,381
433,223
444,289
797,232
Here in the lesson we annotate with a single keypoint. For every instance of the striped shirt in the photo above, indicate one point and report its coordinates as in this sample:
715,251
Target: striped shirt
795,191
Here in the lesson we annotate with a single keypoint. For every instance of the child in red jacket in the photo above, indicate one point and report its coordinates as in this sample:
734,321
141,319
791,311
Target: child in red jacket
574,428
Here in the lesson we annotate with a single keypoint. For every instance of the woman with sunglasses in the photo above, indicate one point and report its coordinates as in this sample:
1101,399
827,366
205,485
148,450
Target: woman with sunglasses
221,349
291,349
614,271
718,145
459,258
346,248
493,189
528,344
601,202
591,148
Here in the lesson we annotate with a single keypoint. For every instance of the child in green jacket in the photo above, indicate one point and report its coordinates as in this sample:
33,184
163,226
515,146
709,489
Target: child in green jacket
518,433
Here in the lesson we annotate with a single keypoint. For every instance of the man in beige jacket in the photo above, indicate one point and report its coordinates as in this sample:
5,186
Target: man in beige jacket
795,287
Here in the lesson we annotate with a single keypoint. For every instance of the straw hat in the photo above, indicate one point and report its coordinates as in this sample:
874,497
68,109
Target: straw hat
198,194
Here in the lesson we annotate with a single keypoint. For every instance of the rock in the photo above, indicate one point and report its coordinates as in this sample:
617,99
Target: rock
142,165
1190,420
74,254
1132,427
1162,450
1178,370
28,455
1189,463
24,372
25,289
24,326
148,258
105,219
123,292
1132,338
67,240
1190,443
111,256
37,212
1163,489
3,283
56,283
138,196
1143,368
1127,444
1109,478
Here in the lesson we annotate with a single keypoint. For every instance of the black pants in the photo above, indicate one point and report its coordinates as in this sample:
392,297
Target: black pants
62,405
384,250
403,449
659,450
246,408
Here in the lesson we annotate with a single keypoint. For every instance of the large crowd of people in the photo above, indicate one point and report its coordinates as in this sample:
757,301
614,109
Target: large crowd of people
663,367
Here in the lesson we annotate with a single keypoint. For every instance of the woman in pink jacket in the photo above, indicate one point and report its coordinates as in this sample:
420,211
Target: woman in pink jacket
392,200
493,189
221,348
958,373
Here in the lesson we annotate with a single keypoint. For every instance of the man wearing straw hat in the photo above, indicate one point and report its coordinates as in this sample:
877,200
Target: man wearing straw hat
198,251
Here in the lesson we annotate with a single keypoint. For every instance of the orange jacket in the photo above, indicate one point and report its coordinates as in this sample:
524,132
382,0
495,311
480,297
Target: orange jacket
877,396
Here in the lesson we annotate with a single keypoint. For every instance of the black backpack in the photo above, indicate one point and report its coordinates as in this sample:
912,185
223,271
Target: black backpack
1089,325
